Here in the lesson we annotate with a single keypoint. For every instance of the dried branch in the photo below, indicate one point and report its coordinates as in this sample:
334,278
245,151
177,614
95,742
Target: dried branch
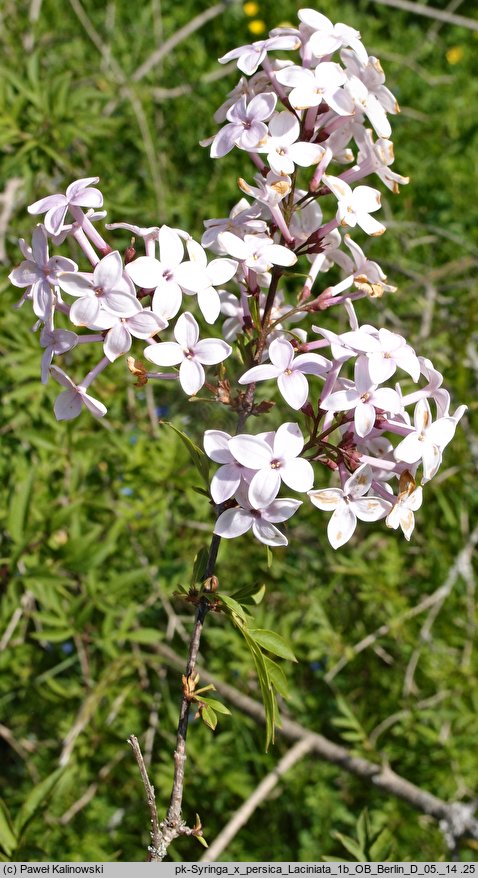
242,815
461,567
449,815
149,789
437,597
137,106
182,34
431,12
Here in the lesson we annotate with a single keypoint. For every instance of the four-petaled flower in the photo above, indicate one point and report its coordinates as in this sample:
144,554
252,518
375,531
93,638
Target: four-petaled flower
290,372
79,194
188,351
106,288
261,518
273,462
349,504
69,403
426,441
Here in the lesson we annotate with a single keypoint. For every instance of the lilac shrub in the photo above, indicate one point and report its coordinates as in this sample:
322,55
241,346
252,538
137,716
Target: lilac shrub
360,403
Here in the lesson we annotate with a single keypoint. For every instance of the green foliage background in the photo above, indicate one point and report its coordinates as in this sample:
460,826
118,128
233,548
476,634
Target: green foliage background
100,523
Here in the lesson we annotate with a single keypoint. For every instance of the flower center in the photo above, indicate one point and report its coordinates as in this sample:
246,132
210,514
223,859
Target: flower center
188,353
276,464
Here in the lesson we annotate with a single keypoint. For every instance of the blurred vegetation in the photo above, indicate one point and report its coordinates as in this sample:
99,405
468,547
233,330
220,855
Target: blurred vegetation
100,523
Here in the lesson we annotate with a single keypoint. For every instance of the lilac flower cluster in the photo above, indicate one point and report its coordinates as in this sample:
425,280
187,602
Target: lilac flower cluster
304,117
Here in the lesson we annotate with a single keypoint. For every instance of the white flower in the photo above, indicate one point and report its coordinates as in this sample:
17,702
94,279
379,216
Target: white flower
257,253
290,372
273,463
426,441
284,151
310,88
356,205
326,37
38,272
408,501
191,353
106,288
348,505
226,481
69,403
235,522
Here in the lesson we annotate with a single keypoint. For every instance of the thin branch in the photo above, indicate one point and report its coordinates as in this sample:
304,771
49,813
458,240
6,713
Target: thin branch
136,104
461,567
262,791
182,34
431,12
437,597
380,776
149,789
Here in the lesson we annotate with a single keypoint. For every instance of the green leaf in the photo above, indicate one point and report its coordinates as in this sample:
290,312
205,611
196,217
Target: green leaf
143,635
250,594
277,676
197,455
234,606
202,841
200,565
208,716
8,838
218,706
20,504
267,693
269,557
352,847
272,642
35,799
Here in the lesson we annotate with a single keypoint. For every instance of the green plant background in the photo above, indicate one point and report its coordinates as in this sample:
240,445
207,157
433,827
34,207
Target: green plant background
99,522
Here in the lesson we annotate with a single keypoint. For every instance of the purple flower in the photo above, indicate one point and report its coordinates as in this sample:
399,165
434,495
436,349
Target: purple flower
78,194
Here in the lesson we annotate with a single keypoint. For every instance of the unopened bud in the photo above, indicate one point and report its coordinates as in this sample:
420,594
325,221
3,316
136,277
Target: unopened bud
130,253
211,583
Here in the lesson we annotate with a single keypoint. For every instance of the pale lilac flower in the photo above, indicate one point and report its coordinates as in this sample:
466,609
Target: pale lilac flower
408,501
366,275
106,288
349,504
284,151
257,252
373,78
56,342
188,351
376,158
289,372
356,205
38,272
368,104
143,324
364,397
246,126
269,191
394,351
205,277
69,403
273,463
168,275
243,219
226,481
79,194
310,88
326,37
249,57
426,441
235,522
